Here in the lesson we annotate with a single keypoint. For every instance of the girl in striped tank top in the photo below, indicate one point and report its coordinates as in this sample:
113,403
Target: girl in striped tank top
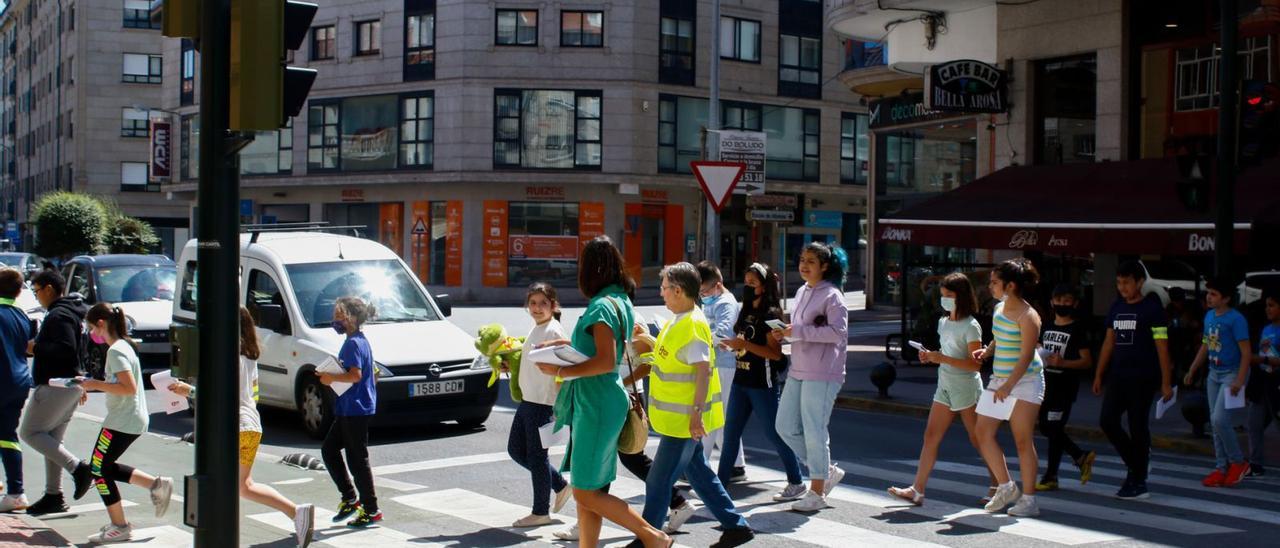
1017,372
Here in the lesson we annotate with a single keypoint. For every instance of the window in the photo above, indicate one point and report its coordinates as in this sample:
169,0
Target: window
792,153
854,148
133,177
187,93
323,41
1066,95
322,137
142,68
547,129
263,290
739,39
549,233
270,153
675,51
740,116
368,37
137,15
420,45
799,66
353,134
417,131
582,29
1197,85
189,155
517,28
133,123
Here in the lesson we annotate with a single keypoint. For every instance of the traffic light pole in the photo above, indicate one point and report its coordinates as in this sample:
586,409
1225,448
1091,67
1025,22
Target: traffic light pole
216,512
1228,104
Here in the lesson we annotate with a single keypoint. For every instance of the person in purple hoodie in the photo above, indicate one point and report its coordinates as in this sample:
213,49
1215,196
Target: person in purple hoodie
819,335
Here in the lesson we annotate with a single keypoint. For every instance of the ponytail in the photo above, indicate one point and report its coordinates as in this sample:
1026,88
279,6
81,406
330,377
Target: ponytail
116,321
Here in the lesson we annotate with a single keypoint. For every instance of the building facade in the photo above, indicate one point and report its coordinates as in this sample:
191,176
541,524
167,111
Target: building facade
79,81
485,142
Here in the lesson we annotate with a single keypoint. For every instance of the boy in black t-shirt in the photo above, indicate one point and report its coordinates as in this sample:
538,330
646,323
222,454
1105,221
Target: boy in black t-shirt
1067,343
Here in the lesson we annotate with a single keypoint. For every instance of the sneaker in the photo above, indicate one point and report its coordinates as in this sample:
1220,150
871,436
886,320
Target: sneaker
1133,490
793,491
734,537
48,504
1235,473
739,474
365,519
991,492
570,534
83,477
1086,466
1026,507
112,533
562,498
161,494
1214,479
834,475
304,524
13,503
532,520
678,516
1005,495
1255,471
1047,484
346,509
812,502
908,494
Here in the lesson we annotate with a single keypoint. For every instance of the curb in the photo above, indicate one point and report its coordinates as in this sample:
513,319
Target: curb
1186,445
19,530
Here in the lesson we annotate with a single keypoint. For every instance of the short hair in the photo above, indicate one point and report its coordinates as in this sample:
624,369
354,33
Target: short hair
1222,285
358,310
1272,293
709,272
685,277
50,278
1132,270
10,283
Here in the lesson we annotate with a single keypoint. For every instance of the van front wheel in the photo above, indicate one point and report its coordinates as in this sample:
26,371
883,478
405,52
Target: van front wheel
316,405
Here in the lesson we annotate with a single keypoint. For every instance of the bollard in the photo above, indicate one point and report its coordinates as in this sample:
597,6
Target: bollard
882,376
1195,408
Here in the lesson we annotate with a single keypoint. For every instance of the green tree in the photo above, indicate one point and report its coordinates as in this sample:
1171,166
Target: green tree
125,234
68,223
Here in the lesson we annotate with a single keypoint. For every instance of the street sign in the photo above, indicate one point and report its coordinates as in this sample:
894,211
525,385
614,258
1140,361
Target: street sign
771,215
772,200
747,148
419,227
717,180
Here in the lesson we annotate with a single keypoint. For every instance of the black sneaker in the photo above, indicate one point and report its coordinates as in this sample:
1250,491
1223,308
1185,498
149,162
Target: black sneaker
735,537
83,477
346,509
48,504
739,474
1133,491
1255,471
365,519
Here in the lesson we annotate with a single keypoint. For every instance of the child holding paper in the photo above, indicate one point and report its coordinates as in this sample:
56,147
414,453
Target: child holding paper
352,410
1226,348
1067,356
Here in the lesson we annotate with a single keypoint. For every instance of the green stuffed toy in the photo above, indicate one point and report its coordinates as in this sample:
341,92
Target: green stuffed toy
502,350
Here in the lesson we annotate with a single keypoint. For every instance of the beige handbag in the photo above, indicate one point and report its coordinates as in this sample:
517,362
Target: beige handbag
635,432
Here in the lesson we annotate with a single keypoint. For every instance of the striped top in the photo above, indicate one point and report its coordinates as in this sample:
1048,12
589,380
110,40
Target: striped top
1008,337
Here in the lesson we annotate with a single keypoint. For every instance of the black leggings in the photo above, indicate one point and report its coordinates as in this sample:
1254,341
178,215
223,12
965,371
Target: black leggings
352,434
639,465
106,471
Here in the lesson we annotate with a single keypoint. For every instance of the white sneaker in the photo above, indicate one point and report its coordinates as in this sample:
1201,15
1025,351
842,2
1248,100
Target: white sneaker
1005,495
562,498
161,494
532,520
570,534
834,475
793,491
11,503
113,533
678,516
1026,507
812,502
304,524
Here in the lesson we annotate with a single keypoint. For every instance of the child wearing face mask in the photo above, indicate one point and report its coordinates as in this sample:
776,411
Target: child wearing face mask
1066,344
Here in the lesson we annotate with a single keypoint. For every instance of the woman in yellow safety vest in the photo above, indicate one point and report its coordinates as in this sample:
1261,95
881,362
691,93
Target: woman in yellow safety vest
684,406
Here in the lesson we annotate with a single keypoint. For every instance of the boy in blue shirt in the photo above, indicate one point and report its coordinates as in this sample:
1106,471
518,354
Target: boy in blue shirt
15,381
1266,375
1226,349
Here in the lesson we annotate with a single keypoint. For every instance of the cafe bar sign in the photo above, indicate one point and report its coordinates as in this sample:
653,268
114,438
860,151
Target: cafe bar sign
965,86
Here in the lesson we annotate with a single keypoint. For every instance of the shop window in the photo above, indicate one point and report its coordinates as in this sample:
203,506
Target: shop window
270,153
543,243
740,39
368,37
1196,84
417,130
855,146
675,50
516,28
1066,99
581,29
547,129
419,40
800,66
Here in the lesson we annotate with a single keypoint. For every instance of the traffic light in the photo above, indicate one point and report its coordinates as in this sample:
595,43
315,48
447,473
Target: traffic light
177,18
1259,120
1194,173
265,92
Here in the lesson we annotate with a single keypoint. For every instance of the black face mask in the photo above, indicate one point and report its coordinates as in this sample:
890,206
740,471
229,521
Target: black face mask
1063,310
748,294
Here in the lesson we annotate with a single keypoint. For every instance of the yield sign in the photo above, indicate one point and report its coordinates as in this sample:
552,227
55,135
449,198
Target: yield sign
717,180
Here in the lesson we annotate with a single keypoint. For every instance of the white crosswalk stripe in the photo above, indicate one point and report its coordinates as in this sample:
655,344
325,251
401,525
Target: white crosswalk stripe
164,536
1244,491
339,535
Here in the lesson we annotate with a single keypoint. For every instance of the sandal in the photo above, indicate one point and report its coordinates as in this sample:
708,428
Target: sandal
908,494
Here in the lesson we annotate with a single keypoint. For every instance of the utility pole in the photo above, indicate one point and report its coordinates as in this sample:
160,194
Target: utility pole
713,124
1228,106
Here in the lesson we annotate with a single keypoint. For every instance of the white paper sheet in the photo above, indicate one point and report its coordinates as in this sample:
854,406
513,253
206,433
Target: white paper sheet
64,382
330,365
917,346
1232,402
987,405
173,403
1163,406
563,355
1044,354
551,439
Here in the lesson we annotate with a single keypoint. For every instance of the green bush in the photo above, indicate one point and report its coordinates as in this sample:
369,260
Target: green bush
68,223
129,235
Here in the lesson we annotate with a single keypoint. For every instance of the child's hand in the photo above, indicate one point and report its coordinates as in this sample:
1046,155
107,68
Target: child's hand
736,343
325,378
929,356
548,369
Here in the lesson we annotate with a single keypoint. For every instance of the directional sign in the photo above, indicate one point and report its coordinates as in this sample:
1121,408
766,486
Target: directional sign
771,215
717,180
748,148
419,227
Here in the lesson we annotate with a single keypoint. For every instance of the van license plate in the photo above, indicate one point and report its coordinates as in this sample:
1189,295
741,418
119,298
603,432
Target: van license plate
436,388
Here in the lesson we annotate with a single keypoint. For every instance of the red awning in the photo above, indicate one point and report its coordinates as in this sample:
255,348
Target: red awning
1107,207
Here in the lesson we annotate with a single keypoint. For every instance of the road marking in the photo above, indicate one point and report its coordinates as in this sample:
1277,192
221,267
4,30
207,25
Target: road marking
464,460
341,536
86,508
166,536
822,532
293,481
1241,491
396,485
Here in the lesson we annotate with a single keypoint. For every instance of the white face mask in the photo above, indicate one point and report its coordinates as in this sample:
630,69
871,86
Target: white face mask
948,304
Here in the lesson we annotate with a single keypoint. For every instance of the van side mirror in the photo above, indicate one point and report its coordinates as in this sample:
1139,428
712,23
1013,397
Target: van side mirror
445,303
270,316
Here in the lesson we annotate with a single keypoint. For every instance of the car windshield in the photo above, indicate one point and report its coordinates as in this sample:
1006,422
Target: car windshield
383,283
135,283
10,258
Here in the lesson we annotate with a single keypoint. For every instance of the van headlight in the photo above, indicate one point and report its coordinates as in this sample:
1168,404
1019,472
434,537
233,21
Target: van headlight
481,362
381,371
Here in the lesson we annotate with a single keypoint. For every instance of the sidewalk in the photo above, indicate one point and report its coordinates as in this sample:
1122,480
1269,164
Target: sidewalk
16,531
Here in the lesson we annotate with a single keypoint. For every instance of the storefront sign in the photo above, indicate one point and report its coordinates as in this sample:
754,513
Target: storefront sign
772,200
823,219
746,148
453,243
161,148
901,109
965,86
771,215
494,267
544,193
1081,240
353,194
590,221
653,196
557,248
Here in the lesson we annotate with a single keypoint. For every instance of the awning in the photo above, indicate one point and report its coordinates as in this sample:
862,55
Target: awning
1107,207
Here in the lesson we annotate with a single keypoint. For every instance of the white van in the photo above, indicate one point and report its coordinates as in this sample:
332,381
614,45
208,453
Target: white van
428,368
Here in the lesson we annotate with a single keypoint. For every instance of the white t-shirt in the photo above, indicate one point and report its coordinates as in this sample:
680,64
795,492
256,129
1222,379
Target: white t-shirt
536,386
695,351
250,421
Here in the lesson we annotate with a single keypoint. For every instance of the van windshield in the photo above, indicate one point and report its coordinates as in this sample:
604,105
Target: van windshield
384,283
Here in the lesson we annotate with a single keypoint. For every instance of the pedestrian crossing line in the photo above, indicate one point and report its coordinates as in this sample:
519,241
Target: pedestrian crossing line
1161,465
164,536
296,481
1241,491
822,532
339,535
1158,499
464,460
397,485
86,508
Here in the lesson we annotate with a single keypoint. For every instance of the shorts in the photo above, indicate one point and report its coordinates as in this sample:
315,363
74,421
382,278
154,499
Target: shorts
1030,387
249,442
958,392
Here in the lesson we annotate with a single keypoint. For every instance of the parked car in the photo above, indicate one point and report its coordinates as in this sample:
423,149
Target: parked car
1163,276
28,263
142,286
1254,283
428,369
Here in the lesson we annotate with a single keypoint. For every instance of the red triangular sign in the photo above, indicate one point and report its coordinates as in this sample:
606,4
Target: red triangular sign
717,180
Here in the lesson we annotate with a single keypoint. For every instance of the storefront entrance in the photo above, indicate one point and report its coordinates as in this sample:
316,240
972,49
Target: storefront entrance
653,238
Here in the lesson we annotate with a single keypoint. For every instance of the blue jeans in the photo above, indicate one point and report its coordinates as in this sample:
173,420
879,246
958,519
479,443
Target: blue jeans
804,413
1226,447
525,448
743,401
684,455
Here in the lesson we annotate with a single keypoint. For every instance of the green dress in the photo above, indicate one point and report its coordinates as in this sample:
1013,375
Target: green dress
595,408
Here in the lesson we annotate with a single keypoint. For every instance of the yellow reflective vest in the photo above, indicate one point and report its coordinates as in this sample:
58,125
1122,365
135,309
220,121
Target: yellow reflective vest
671,382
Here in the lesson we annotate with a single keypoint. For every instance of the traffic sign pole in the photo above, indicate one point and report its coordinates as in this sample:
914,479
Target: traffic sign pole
713,124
